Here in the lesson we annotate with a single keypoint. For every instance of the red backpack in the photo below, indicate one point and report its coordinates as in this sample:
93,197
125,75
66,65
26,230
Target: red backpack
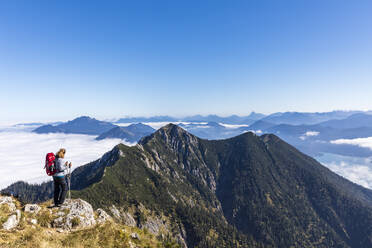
50,165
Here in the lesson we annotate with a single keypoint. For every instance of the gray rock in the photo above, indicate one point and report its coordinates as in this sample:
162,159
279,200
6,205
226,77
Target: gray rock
12,221
103,216
129,220
32,208
181,237
8,201
181,241
125,217
60,213
115,212
134,236
154,225
79,214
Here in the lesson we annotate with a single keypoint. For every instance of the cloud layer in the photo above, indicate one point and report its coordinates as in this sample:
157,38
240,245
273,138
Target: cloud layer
362,142
357,170
22,154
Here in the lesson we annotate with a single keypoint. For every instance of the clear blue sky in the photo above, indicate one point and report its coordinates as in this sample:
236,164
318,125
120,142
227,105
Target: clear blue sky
62,59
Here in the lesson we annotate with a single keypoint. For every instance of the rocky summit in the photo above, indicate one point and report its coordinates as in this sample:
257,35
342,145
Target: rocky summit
74,224
246,191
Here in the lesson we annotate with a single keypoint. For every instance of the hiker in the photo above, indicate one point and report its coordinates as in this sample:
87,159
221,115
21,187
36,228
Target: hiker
60,184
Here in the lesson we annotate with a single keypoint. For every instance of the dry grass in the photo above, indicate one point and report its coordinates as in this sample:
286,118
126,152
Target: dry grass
107,235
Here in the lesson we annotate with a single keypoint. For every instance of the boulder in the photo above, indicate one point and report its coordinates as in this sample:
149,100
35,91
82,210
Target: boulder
8,201
12,221
32,208
102,216
76,214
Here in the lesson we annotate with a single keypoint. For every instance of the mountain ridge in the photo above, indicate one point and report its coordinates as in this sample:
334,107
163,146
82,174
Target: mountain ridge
259,189
131,133
80,125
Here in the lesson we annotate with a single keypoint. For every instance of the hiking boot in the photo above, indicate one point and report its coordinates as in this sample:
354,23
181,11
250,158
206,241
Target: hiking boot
54,206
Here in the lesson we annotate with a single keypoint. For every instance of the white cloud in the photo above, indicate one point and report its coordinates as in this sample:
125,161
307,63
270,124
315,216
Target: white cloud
233,126
22,154
360,174
309,134
257,132
355,169
196,127
362,142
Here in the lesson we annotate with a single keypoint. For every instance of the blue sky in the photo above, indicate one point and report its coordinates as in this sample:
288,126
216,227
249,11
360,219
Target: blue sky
60,60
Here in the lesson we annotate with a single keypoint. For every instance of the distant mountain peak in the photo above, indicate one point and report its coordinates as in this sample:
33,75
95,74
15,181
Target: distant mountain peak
80,125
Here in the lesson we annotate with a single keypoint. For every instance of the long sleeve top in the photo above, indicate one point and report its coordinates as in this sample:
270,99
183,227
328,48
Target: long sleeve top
61,167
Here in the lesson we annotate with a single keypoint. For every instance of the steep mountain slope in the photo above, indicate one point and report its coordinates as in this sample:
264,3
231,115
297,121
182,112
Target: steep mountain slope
81,125
247,191
131,133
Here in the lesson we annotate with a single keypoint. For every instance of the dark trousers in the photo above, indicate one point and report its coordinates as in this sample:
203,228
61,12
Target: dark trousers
60,190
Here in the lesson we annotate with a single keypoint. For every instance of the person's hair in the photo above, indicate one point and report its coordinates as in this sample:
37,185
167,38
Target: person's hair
61,153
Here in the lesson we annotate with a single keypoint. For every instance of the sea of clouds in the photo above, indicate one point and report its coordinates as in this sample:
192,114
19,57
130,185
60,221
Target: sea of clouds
22,153
355,169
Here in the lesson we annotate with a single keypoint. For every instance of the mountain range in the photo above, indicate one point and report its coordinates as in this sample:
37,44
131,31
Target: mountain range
233,119
314,137
104,130
131,133
246,191
301,118
81,125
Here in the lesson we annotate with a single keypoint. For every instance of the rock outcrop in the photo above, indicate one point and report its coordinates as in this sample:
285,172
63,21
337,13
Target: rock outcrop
32,208
12,221
7,200
102,216
11,212
77,217
75,213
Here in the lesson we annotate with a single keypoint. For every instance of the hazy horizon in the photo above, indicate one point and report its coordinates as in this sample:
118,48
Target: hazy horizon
113,118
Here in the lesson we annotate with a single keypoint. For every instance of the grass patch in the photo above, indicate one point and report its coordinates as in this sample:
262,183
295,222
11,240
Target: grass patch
44,218
4,213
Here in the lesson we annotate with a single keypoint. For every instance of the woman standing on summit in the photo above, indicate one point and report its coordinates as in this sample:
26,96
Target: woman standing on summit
60,184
